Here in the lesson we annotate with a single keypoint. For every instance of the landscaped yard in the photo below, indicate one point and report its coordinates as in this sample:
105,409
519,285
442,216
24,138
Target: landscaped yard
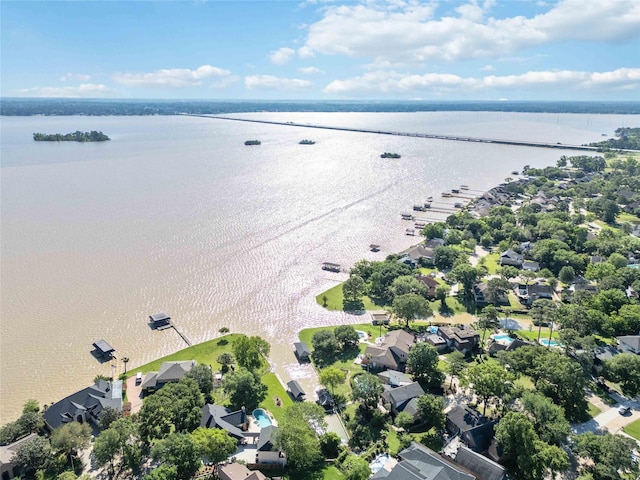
593,411
632,429
491,262
275,390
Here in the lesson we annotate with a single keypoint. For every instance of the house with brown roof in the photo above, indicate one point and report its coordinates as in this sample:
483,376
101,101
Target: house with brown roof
392,353
237,471
462,338
429,282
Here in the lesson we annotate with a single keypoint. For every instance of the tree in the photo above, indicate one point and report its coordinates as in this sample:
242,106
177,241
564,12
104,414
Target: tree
489,319
457,364
125,360
367,388
105,448
355,468
181,451
163,472
249,351
352,290
431,410
408,284
547,418
488,380
467,275
441,293
445,257
330,444
297,434
225,359
324,344
203,376
223,330
609,453
423,364
71,437
214,443
346,336
31,406
332,377
32,455
121,441
624,369
244,388
409,306
403,420
108,416
567,274
497,289
508,271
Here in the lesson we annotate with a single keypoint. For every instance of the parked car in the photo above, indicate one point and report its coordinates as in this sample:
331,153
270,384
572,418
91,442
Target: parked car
624,410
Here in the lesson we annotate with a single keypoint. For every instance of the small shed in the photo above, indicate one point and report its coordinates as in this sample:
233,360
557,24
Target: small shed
296,391
332,267
103,349
380,318
159,320
302,351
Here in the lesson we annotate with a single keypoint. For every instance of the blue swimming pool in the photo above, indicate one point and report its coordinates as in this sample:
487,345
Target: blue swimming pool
502,337
261,417
433,329
547,343
379,462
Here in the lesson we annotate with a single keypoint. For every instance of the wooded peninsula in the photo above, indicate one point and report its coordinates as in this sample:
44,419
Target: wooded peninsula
77,136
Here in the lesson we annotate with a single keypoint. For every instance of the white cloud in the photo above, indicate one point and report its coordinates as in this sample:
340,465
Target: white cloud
305,52
88,90
383,82
269,82
281,56
75,76
487,68
309,70
174,77
408,31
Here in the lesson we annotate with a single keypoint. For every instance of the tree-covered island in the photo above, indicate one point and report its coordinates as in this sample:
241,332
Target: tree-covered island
78,136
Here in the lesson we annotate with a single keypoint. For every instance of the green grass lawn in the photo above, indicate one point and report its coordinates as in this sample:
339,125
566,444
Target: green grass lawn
334,299
275,389
525,382
206,352
533,334
627,217
491,262
593,411
632,429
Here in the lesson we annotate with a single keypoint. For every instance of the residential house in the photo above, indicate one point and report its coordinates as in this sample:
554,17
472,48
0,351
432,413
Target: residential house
429,282
267,453
85,405
500,346
295,390
462,338
421,254
527,294
237,471
629,343
379,317
511,257
461,419
404,399
8,467
392,353
531,266
394,378
602,355
235,423
170,372
302,350
418,462
480,294
434,243
475,431
483,467
436,341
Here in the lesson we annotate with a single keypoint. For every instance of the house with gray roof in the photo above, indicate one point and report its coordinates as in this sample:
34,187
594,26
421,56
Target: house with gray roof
484,468
302,351
511,257
463,338
267,453
392,353
394,378
629,343
170,372
404,399
295,390
418,462
85,405
8,466
235,423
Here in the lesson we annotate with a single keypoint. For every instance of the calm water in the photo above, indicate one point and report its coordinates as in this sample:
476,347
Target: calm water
175,214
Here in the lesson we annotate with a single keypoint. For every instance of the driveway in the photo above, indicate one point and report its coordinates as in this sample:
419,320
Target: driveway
609,419
134,394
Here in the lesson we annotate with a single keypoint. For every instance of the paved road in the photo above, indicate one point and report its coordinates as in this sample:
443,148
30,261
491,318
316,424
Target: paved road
609,419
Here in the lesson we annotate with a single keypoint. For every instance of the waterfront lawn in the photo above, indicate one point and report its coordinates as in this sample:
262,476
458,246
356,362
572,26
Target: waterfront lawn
633,429
206,352
275,389
335,298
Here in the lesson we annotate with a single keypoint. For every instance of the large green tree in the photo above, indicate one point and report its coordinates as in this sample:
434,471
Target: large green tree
431,410
367,389
181,451
625,370
332,377
355,468
488,380
250,351
298,435
32,455
214,443
547,418
203,376
410,306
610,455
71,437
346,336
423,364
244,388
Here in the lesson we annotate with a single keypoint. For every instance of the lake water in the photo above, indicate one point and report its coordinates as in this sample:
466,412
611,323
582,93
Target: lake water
175,214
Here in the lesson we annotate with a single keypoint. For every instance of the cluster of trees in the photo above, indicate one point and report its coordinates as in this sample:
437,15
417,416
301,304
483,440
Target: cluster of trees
78,136
329,343
626,138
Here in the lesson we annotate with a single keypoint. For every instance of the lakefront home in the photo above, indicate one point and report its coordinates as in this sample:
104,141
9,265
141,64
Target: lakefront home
170,372
392,353
234,423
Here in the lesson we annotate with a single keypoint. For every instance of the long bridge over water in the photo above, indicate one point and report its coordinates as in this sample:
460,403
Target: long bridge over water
457,138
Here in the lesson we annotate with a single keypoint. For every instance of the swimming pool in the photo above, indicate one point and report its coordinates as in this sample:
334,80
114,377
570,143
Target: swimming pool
433,329
547,343
502,337
363,336
377,464
261,417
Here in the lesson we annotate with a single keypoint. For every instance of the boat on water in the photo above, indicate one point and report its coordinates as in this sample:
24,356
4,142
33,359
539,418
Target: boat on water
306,142
515,172
429,199
464,187
455,190
419,208
390,155
374,247
446,194
253,142
407,216
427,205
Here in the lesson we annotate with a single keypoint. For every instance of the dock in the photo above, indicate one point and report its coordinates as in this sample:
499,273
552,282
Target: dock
331,267
162,321
182,335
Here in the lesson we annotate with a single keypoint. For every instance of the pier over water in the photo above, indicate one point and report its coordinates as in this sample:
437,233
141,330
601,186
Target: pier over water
457,138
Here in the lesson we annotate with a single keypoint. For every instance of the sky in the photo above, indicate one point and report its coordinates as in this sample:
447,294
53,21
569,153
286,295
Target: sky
322,50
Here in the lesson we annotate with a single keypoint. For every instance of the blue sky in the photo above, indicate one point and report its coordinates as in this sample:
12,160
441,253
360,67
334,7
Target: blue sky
385,50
